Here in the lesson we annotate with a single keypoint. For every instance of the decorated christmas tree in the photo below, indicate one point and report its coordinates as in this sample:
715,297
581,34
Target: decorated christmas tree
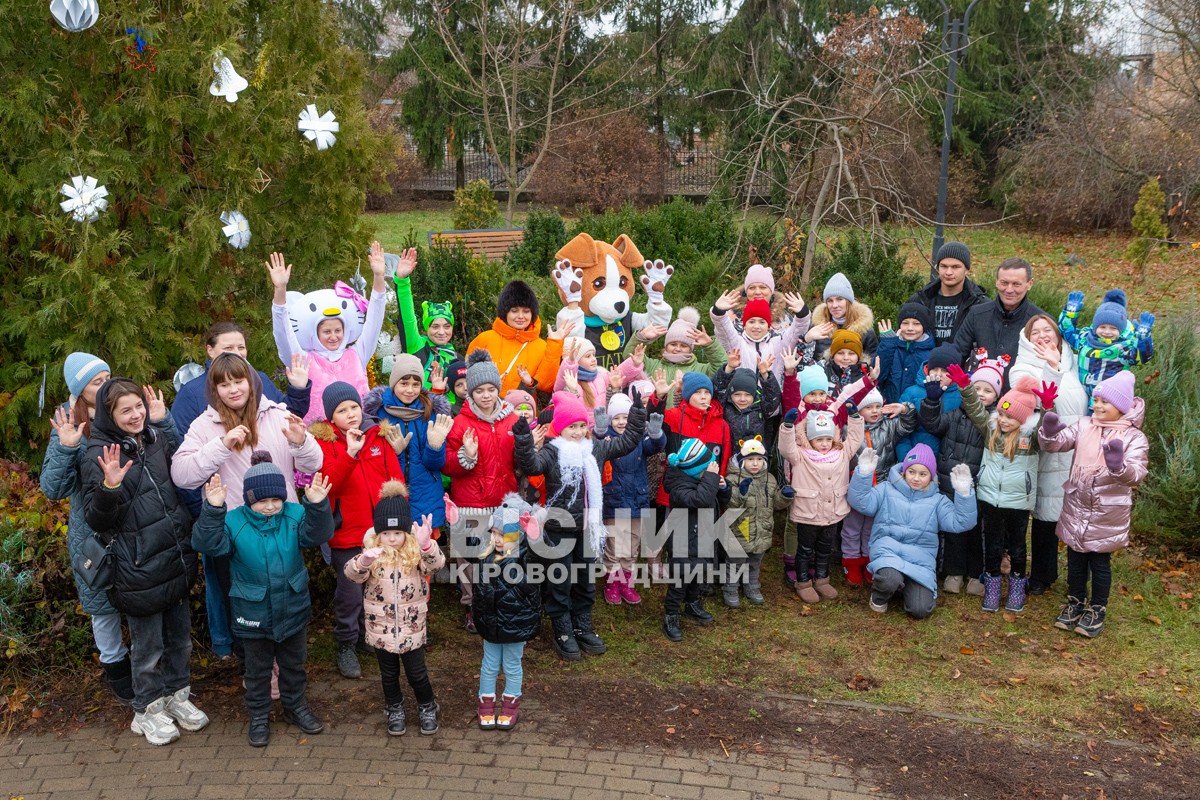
149,164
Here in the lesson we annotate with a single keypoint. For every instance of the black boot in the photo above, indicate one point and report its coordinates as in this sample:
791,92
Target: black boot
585,636
120,680
695,610
563,639
303,718
671,629
260,731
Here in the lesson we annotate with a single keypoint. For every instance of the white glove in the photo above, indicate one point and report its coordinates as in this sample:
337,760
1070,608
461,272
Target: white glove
867,461
655,279
569,280
960,479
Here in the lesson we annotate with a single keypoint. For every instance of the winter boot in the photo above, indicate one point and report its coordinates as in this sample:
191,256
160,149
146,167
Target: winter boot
506,720
731,594
486,712
585,635
754,582
565,646
754,594
397,722
120,680
855,569
953,584
696,611
825,588
1016,594
154,724
612,588
628,593
347,661
1091,624
878,602
260,731
1072,610
991,592
807,593
789,570
303,718
428,715
671,628
186,715
975,587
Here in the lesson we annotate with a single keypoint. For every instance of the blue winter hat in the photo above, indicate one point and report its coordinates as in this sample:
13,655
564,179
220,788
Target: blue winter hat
1112,311
813,379
335,394
263,480
838,286
79,370
693,457
693,382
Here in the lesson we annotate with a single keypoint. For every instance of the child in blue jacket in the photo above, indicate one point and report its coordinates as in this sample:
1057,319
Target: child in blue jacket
626,493
269,583
1111,343
903,352
909,511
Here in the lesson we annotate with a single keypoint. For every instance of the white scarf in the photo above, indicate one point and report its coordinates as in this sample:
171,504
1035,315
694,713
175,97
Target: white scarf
577,467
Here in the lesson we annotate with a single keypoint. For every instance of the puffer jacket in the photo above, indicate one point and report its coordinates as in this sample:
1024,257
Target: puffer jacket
1100,359
492,477
506,611
148,526
905,532
754,419
60,479
1071,404
761,500
630,484
709,359
396,602
915,396
355,481
959,431
774,344
268,593
420,463
1098,504
821,487
902,364
1010,483
885,433
688,422
859,319
698,496
511,348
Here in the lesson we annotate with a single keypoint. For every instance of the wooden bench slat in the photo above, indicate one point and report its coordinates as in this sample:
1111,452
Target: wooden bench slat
491,244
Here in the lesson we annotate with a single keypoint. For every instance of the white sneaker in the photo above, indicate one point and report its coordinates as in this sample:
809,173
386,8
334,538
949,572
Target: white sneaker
953,584
185,714
975,587
876,605
154,724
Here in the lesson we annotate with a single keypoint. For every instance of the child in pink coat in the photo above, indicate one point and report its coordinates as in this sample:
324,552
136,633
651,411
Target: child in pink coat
757,340
1111,455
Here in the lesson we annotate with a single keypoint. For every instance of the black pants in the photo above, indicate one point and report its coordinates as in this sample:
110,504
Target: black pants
1099,565
290,654
414,671
1043,552
814,545
962,553
577,593
684,587
1003,529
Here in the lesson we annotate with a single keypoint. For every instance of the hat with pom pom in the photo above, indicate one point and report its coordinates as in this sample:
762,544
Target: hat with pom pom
693,457
1020,402
263,480
481,370
1112,311
392,512
684,324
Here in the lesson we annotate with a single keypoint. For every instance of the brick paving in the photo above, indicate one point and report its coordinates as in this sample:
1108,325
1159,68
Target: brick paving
356,759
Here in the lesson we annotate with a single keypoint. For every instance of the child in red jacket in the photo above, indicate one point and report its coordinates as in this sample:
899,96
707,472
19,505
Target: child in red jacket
358,460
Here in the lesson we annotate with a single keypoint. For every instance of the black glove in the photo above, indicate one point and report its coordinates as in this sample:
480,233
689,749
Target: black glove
934,390
521,427
637,400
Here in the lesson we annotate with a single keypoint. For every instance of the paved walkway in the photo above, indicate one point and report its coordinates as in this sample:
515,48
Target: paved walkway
358,761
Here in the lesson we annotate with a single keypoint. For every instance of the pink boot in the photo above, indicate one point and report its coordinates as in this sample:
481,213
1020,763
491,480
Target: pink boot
628,593
612,589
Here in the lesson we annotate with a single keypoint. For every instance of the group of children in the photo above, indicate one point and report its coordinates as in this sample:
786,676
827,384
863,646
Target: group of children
925,474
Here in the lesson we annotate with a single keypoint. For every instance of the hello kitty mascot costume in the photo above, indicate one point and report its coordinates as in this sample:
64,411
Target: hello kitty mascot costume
339,350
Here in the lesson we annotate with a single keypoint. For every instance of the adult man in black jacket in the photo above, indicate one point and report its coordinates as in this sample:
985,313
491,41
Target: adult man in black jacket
951,294
996,326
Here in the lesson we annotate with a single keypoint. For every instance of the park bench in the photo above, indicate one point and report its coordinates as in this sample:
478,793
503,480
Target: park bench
491,244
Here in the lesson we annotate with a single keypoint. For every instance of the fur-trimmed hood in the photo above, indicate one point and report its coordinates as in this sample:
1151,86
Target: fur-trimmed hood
859,318
1028,427
325,431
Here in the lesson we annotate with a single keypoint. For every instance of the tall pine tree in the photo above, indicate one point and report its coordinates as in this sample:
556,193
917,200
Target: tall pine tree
140,284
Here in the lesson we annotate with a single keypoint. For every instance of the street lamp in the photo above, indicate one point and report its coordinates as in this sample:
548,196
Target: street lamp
954,41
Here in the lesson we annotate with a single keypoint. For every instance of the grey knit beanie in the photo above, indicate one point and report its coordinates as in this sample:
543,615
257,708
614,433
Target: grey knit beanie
480,370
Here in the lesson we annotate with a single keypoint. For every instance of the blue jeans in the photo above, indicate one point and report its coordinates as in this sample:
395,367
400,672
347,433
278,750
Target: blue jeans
496,656
216,603
110,641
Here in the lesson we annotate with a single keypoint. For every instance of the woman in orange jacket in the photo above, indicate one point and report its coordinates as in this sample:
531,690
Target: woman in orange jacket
525,360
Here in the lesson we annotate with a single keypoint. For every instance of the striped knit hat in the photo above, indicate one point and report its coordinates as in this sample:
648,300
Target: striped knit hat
693,457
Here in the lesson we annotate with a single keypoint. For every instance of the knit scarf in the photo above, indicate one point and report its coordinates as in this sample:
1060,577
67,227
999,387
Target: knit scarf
679,358
822,458
585,374
405,413
1089,447
499,411
577,470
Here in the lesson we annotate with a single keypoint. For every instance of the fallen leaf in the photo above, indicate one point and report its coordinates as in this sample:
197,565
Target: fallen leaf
987,697
1009,616
1139,707
671,730
967,651
1153,619
904,769
1017,680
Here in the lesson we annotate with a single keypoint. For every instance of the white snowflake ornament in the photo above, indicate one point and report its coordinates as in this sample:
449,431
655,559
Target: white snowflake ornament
236,230
85,199
75,15
228,82
318,129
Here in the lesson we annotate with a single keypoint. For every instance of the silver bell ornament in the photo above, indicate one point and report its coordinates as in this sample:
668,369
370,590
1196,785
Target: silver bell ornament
75,15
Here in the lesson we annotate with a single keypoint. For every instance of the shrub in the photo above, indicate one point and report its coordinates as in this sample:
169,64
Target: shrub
545,234
678,231
475,206
451,272
1149,228
875,268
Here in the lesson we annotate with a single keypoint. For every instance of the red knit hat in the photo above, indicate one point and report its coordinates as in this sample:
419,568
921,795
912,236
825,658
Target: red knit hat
757,308
1020,402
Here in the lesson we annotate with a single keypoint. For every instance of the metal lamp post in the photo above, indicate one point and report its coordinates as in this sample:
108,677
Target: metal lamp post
954,41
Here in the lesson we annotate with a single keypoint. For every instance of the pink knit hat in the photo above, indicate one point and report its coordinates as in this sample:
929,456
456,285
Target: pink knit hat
568,409
1020,402
1117,390
759,274
991,371
519,397
684,324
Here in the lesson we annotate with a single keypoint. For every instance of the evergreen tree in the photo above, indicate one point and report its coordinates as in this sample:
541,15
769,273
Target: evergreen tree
140,284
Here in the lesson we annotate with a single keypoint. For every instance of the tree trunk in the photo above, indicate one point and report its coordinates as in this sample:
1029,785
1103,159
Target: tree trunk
810,247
